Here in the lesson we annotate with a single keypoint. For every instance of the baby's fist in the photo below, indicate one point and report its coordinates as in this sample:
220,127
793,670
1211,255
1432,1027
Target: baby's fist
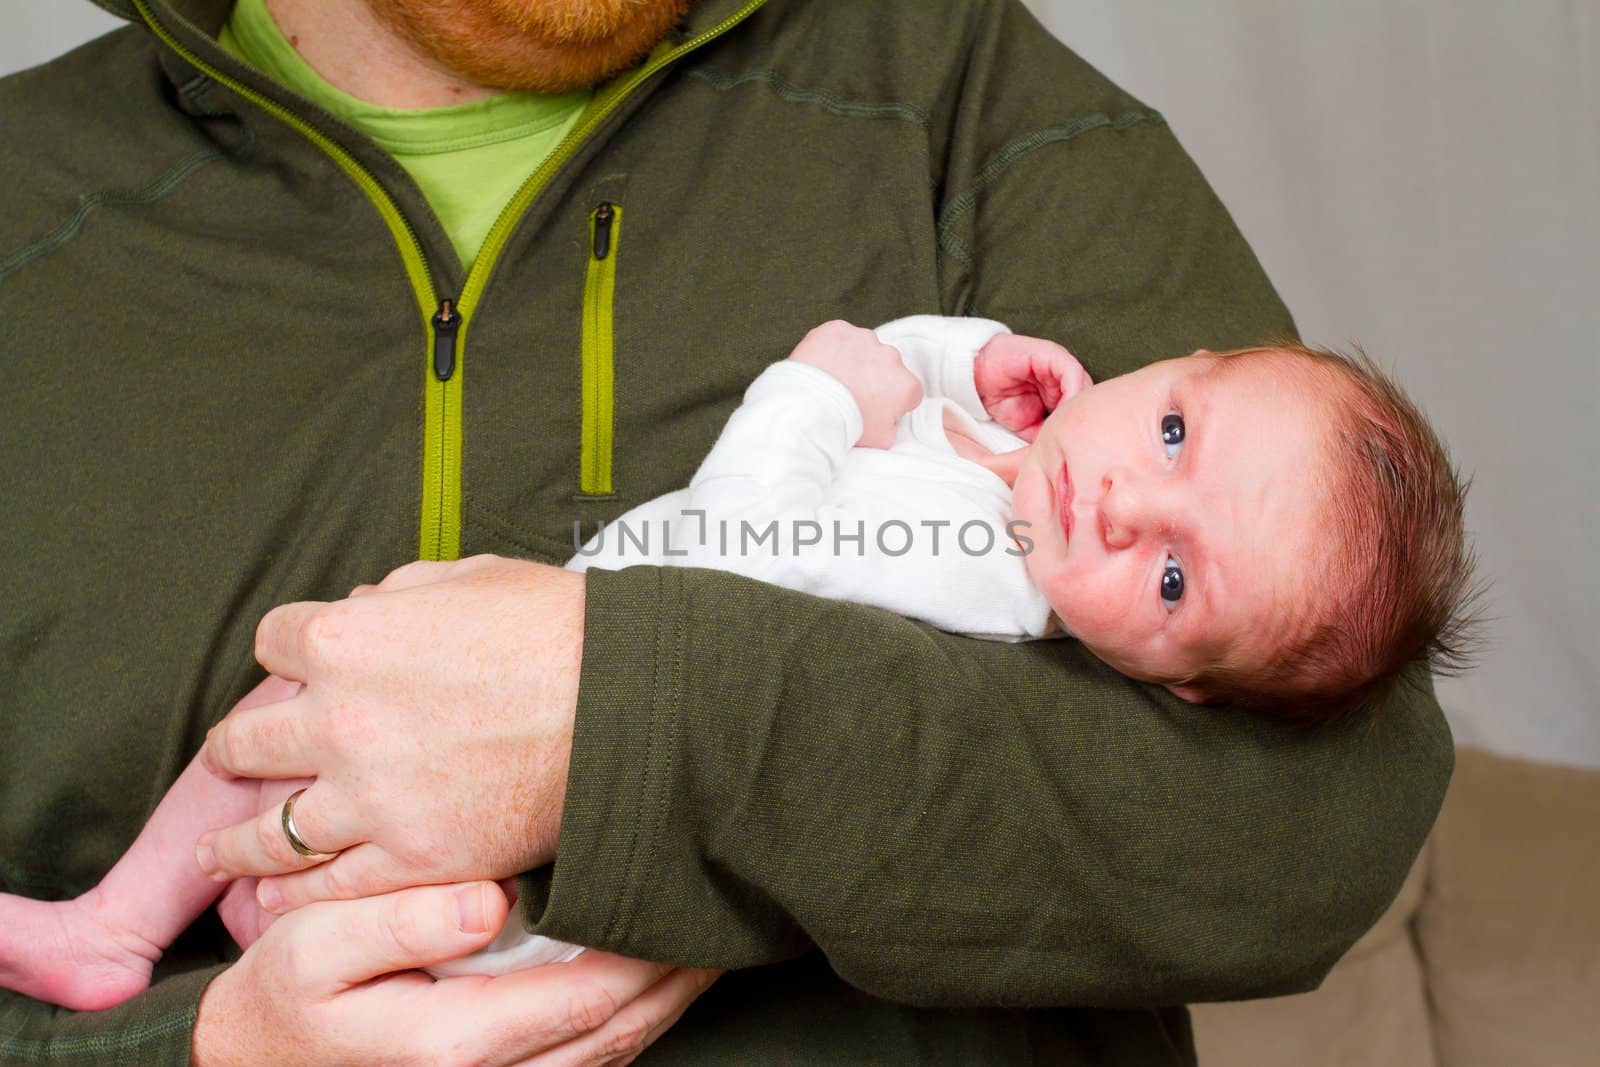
877,378
1022,379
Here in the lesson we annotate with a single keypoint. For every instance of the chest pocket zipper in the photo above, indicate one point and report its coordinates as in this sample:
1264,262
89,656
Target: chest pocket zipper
594,467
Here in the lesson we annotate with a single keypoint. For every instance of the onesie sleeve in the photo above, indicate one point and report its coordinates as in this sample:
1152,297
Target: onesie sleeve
782,447
941,350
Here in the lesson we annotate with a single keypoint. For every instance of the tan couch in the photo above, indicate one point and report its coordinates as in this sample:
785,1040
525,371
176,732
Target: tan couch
1490,957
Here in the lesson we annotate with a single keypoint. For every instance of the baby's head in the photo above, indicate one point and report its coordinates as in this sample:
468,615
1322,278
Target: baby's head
1275,528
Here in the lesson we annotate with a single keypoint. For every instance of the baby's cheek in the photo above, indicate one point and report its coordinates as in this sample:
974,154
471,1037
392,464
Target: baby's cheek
1074,604
1096,611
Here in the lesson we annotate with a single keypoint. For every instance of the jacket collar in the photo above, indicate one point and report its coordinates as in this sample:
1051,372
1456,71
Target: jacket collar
192,25
208,15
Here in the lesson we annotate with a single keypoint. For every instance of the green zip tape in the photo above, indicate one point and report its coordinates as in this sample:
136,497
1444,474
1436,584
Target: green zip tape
599,285
437,435
440,526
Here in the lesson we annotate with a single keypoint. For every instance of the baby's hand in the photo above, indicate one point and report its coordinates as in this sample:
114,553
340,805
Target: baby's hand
1022,379
882,387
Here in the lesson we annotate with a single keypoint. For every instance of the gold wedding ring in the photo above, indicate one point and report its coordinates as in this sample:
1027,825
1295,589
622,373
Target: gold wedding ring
289,831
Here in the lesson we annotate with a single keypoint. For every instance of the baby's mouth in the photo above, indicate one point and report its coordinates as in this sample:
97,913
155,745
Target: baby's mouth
1064,501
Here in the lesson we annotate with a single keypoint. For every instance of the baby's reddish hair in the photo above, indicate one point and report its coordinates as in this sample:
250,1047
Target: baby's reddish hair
1400,573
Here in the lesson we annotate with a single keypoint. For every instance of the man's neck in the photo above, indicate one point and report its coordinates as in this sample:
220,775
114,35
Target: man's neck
357,52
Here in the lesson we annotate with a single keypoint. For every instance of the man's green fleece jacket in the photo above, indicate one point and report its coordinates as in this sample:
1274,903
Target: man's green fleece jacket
231,380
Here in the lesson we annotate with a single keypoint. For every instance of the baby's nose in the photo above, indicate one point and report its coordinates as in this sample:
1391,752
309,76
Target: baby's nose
1124,511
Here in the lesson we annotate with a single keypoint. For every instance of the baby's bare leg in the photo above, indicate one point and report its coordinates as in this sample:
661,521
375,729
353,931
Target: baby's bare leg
245,919
97,950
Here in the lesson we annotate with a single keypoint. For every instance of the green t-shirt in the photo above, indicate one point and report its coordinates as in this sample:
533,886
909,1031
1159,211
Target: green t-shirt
469,159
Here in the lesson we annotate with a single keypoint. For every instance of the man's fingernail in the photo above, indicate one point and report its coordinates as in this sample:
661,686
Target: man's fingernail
268,897
206,858
471,914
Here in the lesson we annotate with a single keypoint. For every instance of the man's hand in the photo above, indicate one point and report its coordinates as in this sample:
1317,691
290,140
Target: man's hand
333,983
436,718
877,378
1022,379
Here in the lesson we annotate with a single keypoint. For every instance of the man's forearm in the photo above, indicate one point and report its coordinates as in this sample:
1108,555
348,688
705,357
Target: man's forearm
957,822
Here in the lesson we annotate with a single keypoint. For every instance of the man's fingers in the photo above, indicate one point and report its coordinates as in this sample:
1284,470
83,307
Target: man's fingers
271,690
266,741
353,941
362,871
281,639
260,846
331,952
424,572
421,572
668,1000
427,572
664,1004
546,1007
635,1026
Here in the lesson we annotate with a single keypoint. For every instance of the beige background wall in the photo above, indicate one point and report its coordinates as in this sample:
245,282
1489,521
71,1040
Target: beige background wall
1423,178
1420,178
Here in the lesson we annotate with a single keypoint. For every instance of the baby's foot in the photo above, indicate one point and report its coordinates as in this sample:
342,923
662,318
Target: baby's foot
68,953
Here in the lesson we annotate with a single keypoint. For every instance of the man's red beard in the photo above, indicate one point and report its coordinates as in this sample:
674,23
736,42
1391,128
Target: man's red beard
543,46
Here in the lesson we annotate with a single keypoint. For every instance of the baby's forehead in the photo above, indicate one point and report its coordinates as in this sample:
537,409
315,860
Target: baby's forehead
1267,381
1283,479
1253,366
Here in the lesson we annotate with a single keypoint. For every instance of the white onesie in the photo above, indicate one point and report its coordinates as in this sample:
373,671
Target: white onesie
785,496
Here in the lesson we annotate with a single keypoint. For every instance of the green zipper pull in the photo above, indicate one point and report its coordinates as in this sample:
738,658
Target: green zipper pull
602,230
446,321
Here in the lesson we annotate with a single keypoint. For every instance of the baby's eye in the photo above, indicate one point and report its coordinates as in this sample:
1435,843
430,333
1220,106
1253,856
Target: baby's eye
1171,584
1172,433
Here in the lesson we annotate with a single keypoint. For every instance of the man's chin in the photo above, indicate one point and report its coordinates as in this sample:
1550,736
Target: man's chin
532,45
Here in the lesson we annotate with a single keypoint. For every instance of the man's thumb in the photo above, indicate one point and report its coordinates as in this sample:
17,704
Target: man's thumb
408,929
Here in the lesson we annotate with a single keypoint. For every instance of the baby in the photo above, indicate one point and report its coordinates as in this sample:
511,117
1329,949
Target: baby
1275,528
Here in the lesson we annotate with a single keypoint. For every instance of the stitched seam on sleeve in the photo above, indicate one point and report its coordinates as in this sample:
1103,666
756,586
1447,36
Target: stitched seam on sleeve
1010,152
669,696
620,914
89,203
830,102
653,797
41,1051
